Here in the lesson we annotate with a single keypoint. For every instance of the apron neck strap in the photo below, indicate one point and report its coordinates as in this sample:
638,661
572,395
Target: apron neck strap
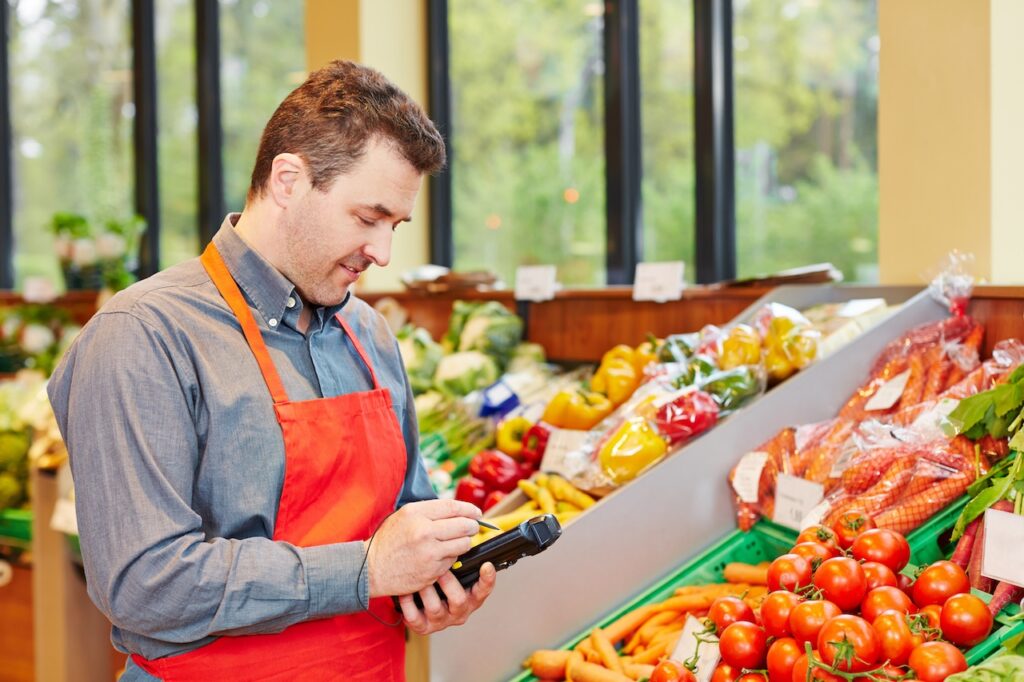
359,348
225,283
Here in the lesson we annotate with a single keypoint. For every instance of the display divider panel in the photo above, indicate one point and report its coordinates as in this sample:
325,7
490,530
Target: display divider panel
647,529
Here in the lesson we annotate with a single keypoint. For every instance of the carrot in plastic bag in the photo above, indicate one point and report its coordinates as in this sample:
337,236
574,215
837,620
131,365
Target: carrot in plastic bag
914,510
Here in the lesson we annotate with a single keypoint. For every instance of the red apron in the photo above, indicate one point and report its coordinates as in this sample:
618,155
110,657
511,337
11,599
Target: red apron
345,462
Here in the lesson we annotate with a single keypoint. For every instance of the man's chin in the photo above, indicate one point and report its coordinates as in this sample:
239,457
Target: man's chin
326,299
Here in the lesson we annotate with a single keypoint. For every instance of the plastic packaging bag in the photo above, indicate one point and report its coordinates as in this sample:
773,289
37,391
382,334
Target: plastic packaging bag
953,283
790,341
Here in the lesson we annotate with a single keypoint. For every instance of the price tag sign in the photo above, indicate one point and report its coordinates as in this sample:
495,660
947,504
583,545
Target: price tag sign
688,645
562,443
794,499
747,479
890,393
1003,558
64,519
659,282
536,282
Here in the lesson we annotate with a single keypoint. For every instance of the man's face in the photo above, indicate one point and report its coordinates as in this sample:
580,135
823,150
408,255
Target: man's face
332,236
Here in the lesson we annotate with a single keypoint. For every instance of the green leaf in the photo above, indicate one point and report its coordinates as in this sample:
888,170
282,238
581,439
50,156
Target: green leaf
1007,397
994,472
1017,442
969,412
1017,375
988,497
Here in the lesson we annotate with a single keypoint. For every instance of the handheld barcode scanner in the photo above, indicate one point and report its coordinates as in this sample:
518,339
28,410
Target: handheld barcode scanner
528,538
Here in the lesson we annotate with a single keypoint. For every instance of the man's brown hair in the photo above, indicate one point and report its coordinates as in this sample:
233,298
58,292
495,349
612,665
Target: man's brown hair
330,118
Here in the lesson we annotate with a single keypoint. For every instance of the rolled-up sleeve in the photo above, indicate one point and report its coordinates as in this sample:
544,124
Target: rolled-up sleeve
125,405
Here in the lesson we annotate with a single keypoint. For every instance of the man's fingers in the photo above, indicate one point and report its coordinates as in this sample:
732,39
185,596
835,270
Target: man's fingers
484,586
446,509
434,609
414,618
454,528
458,599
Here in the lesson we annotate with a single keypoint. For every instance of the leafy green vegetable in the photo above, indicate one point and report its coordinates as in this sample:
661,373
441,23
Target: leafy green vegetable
1000,487
462,373
421,355
998,669
493,329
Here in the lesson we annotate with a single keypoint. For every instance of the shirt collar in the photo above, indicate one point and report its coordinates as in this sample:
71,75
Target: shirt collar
265,287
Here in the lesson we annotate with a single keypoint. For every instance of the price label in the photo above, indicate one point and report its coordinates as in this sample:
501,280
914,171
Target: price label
890,393
860,306
706,649
747,478
64,519
561,444
659,282
536,283
1003,558
794,499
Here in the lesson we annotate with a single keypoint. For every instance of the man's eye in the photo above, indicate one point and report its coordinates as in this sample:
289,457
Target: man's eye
368,223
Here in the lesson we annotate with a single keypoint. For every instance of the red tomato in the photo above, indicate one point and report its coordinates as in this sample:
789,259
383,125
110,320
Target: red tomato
895,639
672,671
939,582
752,677
819,675
935,661
878,575
807,618
823,535
814,552
932,620
848,526
789,572
905,583
782,656
842,582
728,610
775,610
884,546
965,620
885,598
887,672
853,632
725,673
743,645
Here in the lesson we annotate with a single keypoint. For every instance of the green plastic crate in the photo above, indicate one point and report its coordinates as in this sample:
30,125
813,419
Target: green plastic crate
763,543
931,541
16,527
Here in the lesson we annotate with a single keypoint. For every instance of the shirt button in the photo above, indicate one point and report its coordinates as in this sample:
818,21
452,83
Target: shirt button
291,302
272,322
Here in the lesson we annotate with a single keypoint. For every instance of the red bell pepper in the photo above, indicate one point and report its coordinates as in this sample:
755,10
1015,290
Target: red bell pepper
493,498
688,415
497,470
535,442
471,489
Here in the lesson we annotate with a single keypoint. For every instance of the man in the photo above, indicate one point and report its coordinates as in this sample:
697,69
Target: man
241,429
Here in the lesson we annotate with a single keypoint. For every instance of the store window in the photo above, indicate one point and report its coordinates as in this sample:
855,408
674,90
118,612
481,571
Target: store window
71,117
263,58
806,101
177,132
527,134
666,110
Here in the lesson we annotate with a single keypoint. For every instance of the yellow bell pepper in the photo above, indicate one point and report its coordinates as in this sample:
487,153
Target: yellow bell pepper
620,351
580,410
646,353
631,449
741,347
509,437
617,378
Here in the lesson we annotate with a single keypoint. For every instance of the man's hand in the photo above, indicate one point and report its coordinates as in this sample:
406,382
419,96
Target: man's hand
437,614
418,544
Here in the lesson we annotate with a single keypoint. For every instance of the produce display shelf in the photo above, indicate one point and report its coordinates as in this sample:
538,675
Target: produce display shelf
930,542
763,542
16,527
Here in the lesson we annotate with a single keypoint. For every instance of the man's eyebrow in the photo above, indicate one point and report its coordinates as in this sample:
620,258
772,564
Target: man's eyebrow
385,212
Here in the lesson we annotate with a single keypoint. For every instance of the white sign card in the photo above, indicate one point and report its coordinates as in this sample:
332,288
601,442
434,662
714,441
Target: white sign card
536,282
794,499
659,282
1003,558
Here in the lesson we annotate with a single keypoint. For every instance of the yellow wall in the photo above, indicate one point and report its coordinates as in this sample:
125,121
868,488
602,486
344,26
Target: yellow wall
950,141
390,36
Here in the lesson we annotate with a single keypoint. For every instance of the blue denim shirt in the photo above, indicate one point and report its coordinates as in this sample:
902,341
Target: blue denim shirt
178,459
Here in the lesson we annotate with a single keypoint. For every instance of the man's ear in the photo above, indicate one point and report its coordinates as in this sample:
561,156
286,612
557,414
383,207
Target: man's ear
287,176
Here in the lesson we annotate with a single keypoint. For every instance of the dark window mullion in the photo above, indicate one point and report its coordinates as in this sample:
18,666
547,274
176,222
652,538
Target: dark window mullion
441,239
147,196
622,140
713,118
211,163
6,140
